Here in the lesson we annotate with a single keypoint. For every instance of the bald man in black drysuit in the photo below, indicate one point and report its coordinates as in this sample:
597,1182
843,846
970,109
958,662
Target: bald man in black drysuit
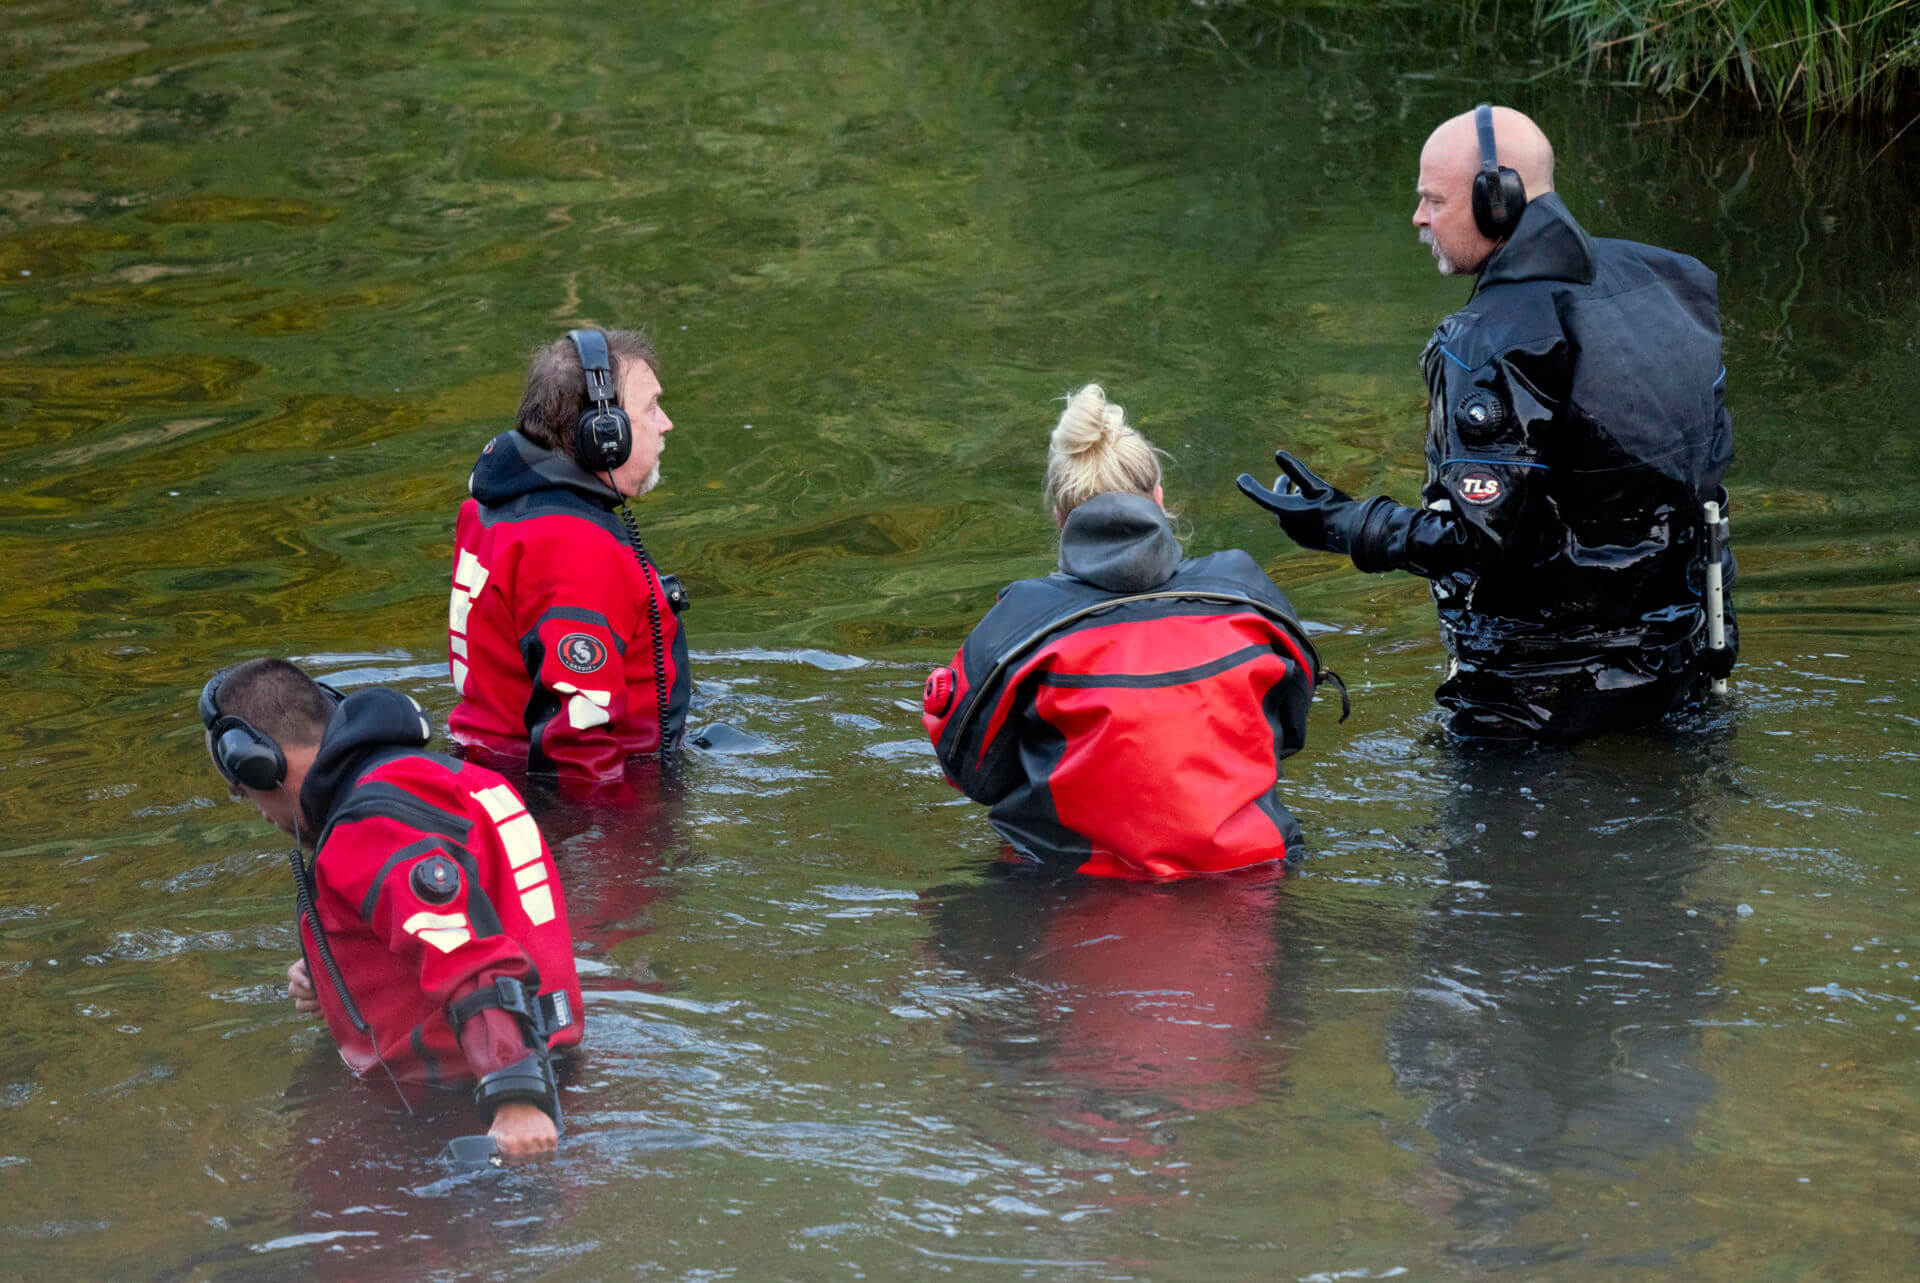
1576,426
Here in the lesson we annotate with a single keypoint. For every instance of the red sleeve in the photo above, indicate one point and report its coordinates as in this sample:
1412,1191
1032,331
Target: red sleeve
447,937
575,655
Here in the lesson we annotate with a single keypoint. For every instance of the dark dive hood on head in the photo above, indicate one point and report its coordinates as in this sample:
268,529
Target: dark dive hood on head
365,722
1546,246
510,466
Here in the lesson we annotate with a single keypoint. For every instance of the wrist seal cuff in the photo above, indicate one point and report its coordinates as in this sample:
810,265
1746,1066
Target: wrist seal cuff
1370,535
525,1079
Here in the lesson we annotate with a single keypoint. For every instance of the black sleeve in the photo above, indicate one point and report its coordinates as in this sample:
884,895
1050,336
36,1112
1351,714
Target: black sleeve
976,734
1486,498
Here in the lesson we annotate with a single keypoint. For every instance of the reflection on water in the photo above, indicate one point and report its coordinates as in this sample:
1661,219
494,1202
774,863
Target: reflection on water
268,276
1564,972
1113,1014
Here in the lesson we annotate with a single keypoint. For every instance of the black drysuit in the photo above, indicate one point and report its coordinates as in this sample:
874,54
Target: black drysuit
1576,423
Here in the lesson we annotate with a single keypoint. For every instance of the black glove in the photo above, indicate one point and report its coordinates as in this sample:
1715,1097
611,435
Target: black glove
1314,513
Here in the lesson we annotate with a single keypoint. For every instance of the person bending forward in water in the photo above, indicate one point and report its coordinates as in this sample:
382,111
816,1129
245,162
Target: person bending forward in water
1126,716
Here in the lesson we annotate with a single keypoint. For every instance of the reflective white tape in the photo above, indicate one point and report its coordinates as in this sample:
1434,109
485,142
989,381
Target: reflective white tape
602,698
537,904
586,707
521,836
459,678
444,931
526,877
469,577
584,711
469,573
500,800
457,607
458,644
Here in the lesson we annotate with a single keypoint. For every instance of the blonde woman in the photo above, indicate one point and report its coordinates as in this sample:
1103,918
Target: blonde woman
1127,716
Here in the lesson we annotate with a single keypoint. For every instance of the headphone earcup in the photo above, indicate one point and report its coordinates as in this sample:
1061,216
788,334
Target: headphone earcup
602,438
1510,196
246,755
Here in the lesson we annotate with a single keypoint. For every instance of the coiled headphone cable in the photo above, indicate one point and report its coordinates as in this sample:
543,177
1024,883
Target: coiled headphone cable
652,575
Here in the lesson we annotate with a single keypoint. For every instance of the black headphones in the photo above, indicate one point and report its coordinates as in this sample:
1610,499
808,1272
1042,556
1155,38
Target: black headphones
1498,194
603,435
244,753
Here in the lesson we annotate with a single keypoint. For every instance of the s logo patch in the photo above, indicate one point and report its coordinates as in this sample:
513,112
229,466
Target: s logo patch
581,653
1479,487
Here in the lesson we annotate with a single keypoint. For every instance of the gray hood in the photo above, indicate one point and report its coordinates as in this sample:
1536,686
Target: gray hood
1119,542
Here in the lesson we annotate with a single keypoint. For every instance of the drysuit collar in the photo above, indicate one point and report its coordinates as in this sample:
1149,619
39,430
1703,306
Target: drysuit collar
1119,542
1547,246
511,465
365,722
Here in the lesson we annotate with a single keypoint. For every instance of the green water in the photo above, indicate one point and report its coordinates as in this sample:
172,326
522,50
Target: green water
267,277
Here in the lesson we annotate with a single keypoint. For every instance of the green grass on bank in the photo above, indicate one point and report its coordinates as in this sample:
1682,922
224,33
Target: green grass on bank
1786,56
1812,55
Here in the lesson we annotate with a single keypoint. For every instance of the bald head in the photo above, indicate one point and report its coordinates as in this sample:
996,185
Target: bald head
1447,165
1517,141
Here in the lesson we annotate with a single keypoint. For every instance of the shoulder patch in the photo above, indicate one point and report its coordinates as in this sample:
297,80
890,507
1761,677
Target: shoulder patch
1479,487
436,880
582,653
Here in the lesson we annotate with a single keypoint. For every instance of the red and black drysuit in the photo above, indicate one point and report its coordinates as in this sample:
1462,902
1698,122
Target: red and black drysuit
431,883
551,643
1127,716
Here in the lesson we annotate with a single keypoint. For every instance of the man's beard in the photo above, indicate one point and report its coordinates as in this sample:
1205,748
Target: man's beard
652,480
1440,259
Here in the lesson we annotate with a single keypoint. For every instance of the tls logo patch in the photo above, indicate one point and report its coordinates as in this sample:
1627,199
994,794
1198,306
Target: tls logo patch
581,653
1479,487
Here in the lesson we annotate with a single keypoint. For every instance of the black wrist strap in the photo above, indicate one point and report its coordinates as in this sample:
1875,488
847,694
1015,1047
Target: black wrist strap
539,1015
528,1079
504,994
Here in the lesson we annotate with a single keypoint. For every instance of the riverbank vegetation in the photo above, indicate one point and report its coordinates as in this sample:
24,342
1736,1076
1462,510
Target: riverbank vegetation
1785,56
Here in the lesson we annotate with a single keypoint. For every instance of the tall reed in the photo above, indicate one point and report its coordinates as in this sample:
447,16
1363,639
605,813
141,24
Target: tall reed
1808,55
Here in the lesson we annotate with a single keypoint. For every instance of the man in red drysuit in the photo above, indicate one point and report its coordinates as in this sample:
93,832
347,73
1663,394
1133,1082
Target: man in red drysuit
564,640
433,931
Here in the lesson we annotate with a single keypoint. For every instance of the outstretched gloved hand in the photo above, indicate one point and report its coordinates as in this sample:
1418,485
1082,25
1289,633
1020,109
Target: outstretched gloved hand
1314,513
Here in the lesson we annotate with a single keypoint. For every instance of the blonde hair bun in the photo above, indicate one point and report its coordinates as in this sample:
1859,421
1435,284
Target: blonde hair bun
1094,451
1088,422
